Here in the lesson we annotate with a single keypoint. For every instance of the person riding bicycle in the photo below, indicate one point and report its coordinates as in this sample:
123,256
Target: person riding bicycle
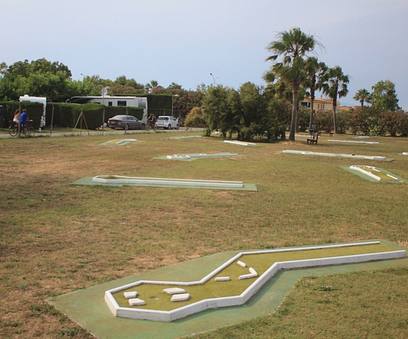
16,118
23,121
151,120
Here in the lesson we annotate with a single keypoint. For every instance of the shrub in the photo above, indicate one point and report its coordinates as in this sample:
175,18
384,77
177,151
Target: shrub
195,118
324,121
303,118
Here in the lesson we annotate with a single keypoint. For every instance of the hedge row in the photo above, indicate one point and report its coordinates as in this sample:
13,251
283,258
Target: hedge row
66,115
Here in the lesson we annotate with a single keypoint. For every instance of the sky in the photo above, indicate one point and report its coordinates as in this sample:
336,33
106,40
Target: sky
183,41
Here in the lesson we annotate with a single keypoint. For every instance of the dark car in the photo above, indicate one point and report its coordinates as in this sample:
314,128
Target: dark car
125,122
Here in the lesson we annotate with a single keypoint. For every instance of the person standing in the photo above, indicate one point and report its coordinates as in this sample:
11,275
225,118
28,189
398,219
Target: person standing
23,121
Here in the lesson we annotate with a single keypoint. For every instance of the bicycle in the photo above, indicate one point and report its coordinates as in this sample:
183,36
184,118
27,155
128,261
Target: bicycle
13,129
150,125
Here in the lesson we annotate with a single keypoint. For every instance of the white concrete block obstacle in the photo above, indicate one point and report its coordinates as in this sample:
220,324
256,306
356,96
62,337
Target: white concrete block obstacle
117,179
252,274
201,305
372,171
200,155
177,294
354,156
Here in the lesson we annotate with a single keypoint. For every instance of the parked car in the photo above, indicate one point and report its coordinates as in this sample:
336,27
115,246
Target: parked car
126,122
168,122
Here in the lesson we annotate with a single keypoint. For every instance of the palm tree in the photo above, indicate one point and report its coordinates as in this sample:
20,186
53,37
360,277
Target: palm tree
363,96
314,70
151,86
334,84
292,46
278,86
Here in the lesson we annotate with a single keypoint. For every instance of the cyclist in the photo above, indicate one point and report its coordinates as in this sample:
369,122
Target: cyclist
16,118
151,120
23,121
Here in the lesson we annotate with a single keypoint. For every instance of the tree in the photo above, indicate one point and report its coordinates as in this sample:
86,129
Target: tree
123,81
314,71
384,96
152,85
195,118
174,86
248,112
38,78
292,46
363,96
279,87
214,108
334,84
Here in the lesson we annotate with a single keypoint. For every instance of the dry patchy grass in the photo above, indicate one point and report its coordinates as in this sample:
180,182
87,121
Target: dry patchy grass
56,238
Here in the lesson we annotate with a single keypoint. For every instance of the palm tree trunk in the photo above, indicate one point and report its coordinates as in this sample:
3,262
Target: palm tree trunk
312,97
311,113
293,123
334,115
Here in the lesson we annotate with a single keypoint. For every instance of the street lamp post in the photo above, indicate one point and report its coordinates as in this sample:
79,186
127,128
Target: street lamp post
214,79
104,91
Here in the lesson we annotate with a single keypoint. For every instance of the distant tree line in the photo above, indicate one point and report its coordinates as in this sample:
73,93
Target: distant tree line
248,112
53,80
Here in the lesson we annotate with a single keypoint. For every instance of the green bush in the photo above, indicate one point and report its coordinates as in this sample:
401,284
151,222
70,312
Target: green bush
195,118
324,121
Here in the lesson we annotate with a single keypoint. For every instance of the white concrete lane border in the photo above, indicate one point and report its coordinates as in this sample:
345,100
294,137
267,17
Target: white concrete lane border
354,156
167,181
240,143
201,155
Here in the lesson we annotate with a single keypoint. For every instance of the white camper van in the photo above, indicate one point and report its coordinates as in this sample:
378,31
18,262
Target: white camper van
41,100
108,100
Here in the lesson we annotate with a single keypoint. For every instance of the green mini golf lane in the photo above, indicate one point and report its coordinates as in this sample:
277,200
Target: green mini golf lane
87,181
157,300
382,172
88,308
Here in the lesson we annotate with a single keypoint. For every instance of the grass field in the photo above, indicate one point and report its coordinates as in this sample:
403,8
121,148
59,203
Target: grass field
56,237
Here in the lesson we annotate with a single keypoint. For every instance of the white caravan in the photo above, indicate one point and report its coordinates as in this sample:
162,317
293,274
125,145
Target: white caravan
108,100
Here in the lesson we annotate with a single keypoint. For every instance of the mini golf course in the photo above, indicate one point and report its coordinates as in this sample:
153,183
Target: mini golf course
234,282
378,174
88,308
352,156
118,180
186,137
193,156
355,142
119,142
239,143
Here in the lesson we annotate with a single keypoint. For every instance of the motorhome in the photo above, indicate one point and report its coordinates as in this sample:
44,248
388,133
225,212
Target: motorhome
130,101
41,100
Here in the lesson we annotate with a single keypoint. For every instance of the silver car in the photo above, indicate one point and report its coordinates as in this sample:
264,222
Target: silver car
168,122
126,122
